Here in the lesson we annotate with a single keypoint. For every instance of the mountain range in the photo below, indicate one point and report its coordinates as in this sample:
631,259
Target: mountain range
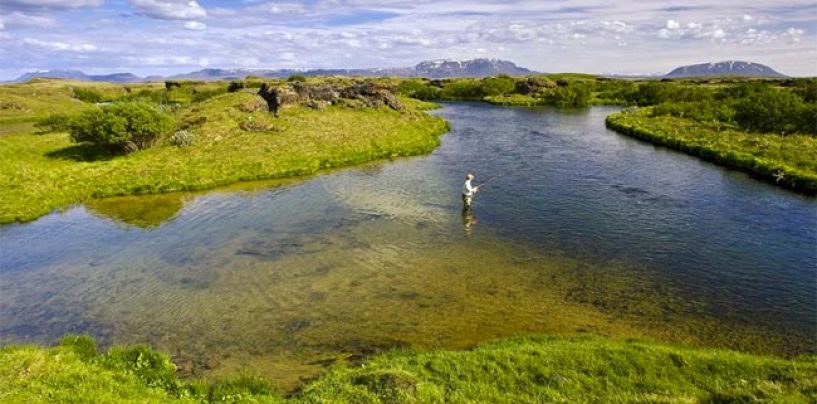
729,68
431,69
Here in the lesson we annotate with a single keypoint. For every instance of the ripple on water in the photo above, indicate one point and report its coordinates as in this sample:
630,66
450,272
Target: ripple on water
582,230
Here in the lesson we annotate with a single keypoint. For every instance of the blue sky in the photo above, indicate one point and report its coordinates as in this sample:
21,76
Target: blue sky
170,36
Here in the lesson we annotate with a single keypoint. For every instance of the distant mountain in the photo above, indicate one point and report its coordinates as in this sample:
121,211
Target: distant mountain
117,78
79,76
429,69
728,68
54,74
467,68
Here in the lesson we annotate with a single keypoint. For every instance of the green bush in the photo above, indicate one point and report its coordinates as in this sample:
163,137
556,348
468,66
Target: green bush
499,85
466,89
701,111
296,77
572,94
53,123
126,127
88,95
771,110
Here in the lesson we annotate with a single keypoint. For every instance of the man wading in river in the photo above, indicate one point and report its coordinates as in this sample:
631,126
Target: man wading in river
468,191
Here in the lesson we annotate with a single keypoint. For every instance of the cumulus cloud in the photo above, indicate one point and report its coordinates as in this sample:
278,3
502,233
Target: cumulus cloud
170,9
194,25
548,36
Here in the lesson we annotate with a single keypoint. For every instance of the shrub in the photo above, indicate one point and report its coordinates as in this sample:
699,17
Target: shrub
499,85
462,89
124,127
235,86
771,110
88,95
574,94
181,138
296,77
53,123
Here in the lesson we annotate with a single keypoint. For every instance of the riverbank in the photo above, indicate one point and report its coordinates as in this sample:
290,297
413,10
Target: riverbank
233,141
786,161
525,369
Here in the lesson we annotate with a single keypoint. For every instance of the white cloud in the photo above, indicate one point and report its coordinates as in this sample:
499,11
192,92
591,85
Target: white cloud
27,20
194,25
170,9
60,46
52,3
672,24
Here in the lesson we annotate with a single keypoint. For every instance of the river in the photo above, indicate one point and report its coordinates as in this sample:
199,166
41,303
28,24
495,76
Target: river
579,230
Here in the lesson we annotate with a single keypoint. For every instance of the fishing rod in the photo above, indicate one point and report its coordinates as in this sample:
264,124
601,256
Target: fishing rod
487,181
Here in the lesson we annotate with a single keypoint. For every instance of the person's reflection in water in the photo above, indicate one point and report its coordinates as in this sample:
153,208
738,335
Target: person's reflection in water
468,220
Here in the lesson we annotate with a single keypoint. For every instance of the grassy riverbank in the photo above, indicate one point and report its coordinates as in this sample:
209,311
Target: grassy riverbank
787,161
43,172
531,369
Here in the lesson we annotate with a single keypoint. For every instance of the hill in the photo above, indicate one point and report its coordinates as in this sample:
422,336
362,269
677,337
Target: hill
730,68
467,68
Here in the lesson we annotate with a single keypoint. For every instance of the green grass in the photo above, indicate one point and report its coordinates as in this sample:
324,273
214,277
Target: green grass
517,100
788,161
74,372
41,173
519,370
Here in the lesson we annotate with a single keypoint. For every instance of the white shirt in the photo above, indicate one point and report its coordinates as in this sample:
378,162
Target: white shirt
468,189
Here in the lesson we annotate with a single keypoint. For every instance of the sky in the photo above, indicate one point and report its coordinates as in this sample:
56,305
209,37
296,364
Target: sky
163,37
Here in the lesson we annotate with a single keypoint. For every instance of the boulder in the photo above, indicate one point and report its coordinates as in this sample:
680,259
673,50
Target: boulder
319,96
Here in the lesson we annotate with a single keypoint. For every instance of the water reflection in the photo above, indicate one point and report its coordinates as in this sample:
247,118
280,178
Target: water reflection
146,211
468,219
586,233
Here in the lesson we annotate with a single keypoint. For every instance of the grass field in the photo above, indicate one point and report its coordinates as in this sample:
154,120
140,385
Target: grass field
43,172
519,370
788,161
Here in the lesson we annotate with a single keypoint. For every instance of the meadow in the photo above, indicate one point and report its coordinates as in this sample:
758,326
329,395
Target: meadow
233,139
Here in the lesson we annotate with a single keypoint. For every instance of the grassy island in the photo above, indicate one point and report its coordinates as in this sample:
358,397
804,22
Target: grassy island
525,369
234,139
787,161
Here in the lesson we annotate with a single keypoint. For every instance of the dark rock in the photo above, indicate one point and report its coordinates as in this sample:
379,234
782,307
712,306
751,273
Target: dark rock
319,96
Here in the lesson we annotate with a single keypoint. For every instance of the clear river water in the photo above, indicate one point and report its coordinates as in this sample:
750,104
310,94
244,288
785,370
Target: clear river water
579,230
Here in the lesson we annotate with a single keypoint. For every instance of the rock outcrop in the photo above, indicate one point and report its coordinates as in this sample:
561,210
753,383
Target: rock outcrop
318,96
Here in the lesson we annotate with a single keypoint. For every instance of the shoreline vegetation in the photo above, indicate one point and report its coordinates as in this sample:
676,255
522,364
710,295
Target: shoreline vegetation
786,161
228,137
224,132
521,369
766,127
